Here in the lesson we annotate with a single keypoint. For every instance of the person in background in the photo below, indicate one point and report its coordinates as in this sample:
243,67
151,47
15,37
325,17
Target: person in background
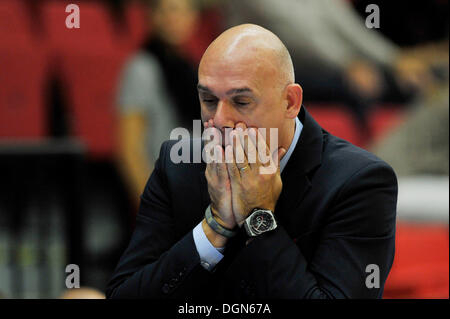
157,89
419,146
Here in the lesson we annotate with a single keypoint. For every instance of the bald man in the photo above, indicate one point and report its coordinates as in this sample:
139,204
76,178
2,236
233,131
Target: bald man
320,225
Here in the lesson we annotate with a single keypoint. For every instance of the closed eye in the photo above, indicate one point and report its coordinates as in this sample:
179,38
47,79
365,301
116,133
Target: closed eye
242,102
207,98
210,101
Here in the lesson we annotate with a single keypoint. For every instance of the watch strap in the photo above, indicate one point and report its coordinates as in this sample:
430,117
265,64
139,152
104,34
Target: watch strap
210,220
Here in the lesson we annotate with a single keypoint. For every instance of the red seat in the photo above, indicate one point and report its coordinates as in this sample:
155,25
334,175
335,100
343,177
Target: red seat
420,268
23,74
337,121
90,82
89,60
96,32
138,25
14,23
22,92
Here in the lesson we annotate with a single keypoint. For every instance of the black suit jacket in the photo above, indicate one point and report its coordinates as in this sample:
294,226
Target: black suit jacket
336,215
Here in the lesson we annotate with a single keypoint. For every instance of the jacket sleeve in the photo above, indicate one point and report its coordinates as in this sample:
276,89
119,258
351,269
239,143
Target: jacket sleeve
359,232
156,264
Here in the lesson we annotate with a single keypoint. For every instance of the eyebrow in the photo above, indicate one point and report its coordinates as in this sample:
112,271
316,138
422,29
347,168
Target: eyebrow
229,92
203,88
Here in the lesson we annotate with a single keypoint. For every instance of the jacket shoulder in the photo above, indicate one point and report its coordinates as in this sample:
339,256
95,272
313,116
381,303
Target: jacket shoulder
341,155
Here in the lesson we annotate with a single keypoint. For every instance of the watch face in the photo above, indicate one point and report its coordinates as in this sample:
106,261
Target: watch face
261,222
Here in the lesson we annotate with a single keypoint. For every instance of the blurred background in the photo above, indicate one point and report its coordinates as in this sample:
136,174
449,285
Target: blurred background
83,112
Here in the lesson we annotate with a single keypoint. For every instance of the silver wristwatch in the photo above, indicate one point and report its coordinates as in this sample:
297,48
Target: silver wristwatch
259,221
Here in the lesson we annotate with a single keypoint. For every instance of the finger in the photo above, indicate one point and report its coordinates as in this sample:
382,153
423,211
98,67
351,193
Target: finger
262,148
250,148
212,133
239,154
278,155
216,134
241,126
253,133
241,130
211,139
218,138
207,134
274,163
210,172
215,159
232,169
221,167
227,136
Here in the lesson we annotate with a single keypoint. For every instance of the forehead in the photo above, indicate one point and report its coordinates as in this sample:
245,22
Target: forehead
223,74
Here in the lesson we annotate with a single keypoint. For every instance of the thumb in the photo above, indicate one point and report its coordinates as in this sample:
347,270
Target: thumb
278,155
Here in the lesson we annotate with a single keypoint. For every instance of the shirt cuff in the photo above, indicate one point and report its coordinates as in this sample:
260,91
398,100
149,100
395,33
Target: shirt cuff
209,255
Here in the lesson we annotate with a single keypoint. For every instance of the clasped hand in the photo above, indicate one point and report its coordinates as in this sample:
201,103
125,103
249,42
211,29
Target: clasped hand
243,175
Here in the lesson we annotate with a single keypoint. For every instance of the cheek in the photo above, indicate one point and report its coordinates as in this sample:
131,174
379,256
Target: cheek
269,118
269,115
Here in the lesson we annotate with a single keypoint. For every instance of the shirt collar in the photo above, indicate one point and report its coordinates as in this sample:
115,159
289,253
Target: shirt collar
298,130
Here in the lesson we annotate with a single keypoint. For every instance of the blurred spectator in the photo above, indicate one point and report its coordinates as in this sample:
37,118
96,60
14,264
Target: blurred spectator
157,89
420,146
337,58
82,293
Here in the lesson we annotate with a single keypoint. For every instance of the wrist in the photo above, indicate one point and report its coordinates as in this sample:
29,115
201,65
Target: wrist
214,238
216,216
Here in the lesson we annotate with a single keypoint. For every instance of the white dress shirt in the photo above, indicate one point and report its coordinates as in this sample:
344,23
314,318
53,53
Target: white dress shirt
210,255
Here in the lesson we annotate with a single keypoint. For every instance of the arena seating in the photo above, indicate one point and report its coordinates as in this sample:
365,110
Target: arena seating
89,61
420,268
22,92
14,22
23,74
95,32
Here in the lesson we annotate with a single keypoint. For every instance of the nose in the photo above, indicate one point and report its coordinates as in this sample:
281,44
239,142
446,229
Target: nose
224,116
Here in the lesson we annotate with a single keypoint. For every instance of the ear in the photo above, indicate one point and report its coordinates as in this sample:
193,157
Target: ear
294,97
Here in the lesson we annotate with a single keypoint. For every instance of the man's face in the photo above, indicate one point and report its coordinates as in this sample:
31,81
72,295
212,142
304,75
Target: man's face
241,90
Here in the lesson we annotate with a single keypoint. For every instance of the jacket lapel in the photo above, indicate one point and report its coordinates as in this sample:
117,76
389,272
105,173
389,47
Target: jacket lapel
298,172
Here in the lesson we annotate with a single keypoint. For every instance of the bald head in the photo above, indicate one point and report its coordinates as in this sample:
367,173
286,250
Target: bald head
249,43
